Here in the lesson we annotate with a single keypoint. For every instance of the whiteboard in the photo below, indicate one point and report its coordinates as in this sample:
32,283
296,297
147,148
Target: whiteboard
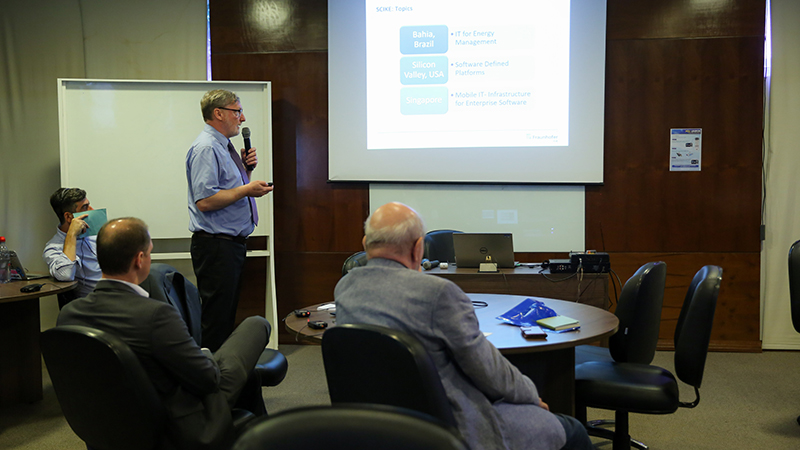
125,143
540,218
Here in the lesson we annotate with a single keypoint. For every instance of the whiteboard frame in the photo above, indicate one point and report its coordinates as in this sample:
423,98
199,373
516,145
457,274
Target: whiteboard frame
125,143
161,132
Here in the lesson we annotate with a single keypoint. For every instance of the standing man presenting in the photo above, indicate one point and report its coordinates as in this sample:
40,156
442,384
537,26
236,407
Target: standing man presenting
222,211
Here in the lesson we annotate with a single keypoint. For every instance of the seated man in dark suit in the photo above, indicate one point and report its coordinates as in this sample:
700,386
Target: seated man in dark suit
495,405
198,389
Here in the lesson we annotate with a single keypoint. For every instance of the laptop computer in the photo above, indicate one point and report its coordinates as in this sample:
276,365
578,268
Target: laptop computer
18,272
472,249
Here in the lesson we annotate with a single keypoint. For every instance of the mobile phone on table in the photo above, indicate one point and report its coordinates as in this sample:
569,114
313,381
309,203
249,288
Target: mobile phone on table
533,332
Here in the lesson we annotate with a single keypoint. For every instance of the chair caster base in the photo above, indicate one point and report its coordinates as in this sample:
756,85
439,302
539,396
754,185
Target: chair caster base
593,428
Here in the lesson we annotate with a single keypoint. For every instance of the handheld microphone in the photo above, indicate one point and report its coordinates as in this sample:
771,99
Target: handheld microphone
428,265
246,136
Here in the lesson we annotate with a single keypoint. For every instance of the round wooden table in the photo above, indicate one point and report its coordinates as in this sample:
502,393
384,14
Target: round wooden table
298,326
21,369
595,324
550,362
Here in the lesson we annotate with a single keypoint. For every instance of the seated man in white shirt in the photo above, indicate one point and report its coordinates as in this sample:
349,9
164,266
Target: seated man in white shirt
68,256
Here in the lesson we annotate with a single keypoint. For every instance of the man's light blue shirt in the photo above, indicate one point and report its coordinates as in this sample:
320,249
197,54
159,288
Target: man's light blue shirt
85,269
210,169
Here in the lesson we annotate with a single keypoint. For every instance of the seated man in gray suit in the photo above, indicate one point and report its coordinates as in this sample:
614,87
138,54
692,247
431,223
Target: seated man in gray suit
198,389
495,405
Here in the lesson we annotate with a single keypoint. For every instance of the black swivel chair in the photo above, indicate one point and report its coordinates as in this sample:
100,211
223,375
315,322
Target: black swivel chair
639,314
373,364
439,246
357,259
165,283
794,287
348,427
628,387
104,393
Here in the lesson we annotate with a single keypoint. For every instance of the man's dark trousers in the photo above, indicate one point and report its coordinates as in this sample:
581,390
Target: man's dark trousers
218,265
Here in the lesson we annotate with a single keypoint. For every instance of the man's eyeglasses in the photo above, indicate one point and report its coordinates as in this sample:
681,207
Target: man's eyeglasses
236,112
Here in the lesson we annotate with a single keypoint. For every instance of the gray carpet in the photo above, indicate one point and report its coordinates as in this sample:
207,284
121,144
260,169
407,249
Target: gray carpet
749,401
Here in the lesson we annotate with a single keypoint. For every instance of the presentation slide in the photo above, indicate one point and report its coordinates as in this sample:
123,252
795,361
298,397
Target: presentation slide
439,76
509,91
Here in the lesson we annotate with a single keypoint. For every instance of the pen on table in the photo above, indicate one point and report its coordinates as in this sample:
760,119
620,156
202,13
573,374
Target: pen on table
569,329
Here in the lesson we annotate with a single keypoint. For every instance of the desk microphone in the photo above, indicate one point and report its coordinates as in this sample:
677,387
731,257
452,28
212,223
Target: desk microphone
246,136
428,265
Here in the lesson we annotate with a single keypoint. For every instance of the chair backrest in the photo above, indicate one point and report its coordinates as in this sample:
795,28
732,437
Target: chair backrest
639,314
165,283
348,427
439,246
374,364
693,332
794,284
358,259
105,394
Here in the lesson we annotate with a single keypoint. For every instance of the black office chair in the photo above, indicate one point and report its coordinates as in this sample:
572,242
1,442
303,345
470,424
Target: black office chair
348,427
165,283
104,393
639,314
357,259
794,288
439,246
629,387
374,364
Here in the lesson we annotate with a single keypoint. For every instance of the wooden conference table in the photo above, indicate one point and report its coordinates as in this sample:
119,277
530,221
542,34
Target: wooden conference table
550,362
21,363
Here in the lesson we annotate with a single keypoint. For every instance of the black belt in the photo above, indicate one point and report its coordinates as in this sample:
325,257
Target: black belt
227,237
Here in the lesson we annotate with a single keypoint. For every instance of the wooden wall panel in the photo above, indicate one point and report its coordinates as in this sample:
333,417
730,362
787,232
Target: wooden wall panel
736,322
268,26
664,19
311,215
655,85
670,63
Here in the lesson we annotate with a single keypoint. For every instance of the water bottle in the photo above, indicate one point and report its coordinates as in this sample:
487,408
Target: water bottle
5,261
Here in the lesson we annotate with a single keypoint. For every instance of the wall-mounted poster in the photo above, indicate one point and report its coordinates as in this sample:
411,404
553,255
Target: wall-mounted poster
685,154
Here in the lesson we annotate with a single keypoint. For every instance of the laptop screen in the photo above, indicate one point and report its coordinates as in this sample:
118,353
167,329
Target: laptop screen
472,249
18,271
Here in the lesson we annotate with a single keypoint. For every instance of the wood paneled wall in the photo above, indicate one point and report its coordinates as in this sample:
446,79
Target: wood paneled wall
669,64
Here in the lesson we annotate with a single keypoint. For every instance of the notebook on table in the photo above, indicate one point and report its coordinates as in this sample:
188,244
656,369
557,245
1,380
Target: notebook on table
559,323
472,249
